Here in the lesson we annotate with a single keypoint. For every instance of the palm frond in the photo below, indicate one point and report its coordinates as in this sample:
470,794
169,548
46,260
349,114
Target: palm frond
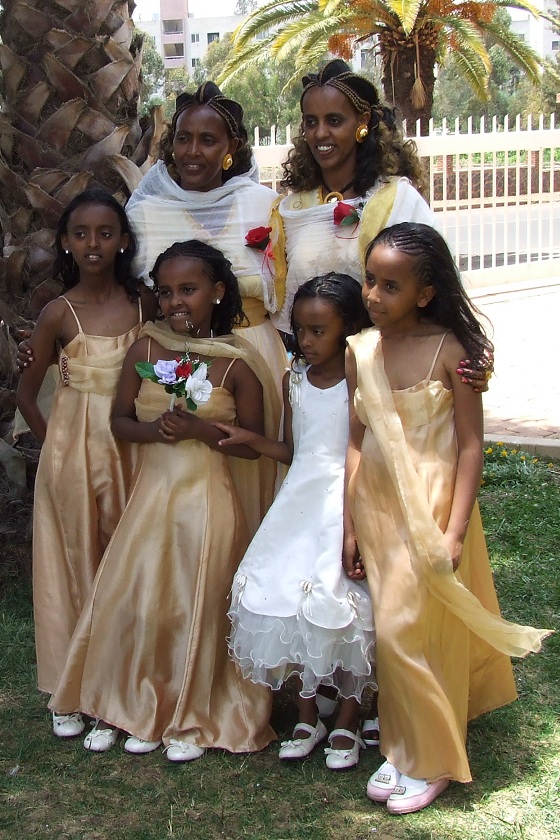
469,65
271,17
519,4
251,55
315,24
522,53
406,11
463,35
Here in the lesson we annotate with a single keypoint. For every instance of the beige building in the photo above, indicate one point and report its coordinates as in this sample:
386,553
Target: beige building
181,38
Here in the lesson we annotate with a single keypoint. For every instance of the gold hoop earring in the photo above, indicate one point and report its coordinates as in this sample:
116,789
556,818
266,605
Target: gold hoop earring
227,162
361,133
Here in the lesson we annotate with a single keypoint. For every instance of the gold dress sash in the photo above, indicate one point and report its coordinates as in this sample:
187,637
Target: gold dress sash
428,553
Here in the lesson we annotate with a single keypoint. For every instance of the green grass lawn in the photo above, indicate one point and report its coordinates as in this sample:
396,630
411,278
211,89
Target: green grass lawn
55,789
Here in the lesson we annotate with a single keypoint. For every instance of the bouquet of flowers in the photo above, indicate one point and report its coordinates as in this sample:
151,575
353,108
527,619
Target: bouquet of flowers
181,377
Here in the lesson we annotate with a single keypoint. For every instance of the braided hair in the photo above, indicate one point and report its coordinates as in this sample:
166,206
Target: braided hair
229,313
232,114
382,153
434,266
345,296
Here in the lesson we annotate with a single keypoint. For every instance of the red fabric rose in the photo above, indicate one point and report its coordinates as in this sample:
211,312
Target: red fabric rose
258,237
345,214
183,370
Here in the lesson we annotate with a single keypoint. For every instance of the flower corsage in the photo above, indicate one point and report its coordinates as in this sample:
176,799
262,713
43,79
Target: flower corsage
258,238
181,377
345,214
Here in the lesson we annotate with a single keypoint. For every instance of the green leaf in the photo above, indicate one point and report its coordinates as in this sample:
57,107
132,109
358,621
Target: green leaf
145,370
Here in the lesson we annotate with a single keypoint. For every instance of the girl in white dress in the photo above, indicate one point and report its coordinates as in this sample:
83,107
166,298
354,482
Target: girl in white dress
294,610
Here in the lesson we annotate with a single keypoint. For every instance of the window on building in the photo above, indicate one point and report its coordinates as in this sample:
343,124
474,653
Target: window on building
195,38
195,62
174,50
213,36
172,27
555,46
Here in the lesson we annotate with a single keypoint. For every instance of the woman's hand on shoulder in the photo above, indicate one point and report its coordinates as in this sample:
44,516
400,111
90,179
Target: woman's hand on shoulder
477,372
24,353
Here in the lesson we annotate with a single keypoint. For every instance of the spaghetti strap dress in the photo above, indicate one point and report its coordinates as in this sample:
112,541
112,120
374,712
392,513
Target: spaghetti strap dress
82,482
162,592
442,650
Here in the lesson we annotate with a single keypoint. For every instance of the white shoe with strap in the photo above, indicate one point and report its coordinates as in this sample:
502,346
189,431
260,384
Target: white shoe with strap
302,747
344,759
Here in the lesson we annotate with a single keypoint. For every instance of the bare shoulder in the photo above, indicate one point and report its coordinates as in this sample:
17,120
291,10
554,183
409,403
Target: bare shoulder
452,351
138,352
51,319
53,310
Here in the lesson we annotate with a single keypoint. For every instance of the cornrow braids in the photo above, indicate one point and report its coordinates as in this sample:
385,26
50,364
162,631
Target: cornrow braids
360,91
210,94
345,296
232,114
229,313
434,266
383,152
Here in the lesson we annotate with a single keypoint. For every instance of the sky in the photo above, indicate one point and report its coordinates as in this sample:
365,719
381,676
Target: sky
200,8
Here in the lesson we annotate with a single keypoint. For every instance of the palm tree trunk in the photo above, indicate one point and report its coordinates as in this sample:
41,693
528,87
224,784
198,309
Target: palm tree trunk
407,81
70,73
70,87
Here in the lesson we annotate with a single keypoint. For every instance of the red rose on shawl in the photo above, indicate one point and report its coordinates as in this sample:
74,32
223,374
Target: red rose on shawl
258,238
183,370
345,214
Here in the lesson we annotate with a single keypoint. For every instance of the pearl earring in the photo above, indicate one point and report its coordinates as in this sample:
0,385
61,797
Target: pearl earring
122,250
218,301
66,251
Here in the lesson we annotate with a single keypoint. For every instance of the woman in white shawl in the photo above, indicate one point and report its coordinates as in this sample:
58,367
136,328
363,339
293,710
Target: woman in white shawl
203,188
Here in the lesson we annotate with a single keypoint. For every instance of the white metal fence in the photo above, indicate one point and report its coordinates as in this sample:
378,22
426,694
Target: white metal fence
497,188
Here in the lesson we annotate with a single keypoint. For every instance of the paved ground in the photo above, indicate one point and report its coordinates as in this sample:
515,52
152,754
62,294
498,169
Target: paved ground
523,403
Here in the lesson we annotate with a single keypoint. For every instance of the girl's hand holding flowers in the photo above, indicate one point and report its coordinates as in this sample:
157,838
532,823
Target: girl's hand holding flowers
176,425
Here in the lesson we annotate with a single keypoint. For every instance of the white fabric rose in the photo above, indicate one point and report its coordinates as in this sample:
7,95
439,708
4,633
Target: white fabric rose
165,371
197,386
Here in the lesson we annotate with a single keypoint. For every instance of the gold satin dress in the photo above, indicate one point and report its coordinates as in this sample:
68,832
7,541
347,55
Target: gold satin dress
150,654
82,482
434,673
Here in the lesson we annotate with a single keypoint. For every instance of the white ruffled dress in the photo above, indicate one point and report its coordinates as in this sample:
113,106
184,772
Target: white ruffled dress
294,610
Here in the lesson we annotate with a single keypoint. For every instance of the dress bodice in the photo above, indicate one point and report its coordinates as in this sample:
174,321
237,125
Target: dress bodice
319,419
93,363
153,400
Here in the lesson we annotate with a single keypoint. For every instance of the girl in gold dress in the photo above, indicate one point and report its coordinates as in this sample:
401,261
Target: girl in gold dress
84,473
149,655
413,469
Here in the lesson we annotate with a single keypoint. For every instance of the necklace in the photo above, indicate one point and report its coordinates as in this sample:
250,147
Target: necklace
334,195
